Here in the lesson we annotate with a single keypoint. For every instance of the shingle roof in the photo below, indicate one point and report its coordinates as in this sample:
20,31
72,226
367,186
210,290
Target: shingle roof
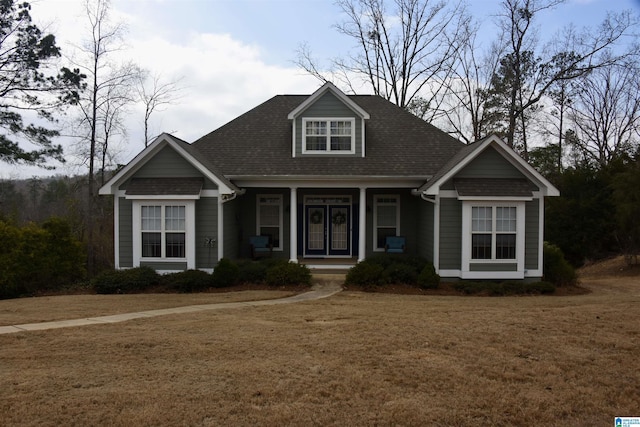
258,143
164,186
494,187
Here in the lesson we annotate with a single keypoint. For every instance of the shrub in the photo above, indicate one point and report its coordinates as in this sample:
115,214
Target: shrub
35,258
365,274
252,271
557,269
540,288
125,281
428,278
188,281
504,288
400,273
225,274
289,273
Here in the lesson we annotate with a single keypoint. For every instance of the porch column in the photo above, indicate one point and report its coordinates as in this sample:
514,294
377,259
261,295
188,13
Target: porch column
362,226
293,222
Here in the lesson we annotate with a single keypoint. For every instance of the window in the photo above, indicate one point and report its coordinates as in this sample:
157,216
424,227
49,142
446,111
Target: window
269,221
386,219
328,135
493,232
163,231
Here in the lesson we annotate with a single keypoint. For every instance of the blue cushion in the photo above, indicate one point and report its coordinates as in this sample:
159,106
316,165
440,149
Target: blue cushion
395,242
259,242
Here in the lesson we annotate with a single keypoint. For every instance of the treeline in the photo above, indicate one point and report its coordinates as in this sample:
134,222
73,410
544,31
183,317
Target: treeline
37,201
598,212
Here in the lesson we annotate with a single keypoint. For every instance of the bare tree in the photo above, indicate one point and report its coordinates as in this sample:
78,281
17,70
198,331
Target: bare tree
402,54
606,112
533,71
155,94
467,91
110,90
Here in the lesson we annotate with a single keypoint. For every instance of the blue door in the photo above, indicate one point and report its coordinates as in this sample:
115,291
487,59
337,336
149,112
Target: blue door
328,230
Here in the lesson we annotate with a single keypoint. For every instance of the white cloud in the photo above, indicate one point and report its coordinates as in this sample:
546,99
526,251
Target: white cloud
220,76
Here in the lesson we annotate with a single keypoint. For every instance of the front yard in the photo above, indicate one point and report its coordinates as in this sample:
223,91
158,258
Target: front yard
353,359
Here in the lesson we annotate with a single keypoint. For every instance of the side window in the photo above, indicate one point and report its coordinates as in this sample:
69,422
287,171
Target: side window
493,232
163,231
269,218
386,219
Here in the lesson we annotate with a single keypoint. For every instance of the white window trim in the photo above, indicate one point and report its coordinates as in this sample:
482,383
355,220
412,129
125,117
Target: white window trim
328,120
280,215
190,232
376,202
467,261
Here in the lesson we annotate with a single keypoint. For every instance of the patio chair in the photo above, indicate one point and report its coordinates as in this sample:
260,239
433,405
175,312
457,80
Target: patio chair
260,246
395,245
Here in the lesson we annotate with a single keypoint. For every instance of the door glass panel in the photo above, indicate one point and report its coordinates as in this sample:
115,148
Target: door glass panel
316,229
339,229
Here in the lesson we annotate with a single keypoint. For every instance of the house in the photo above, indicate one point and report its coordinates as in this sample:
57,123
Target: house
329,176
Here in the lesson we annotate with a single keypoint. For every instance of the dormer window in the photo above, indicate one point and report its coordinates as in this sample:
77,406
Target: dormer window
321,136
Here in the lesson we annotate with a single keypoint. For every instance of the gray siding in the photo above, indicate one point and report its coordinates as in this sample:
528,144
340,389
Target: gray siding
168,163
488,164
206,228
125,232
493,267
165,266
425,230
246,216
532,235
231,225
329,106
450,234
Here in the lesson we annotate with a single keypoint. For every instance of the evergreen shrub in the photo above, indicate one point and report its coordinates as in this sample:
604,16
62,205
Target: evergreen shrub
127,281
287,274
225,274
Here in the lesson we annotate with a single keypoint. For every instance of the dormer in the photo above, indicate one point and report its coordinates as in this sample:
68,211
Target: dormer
328,123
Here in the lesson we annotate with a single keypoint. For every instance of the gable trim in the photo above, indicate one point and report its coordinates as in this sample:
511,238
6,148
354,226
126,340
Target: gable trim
328,86
224,186
548,189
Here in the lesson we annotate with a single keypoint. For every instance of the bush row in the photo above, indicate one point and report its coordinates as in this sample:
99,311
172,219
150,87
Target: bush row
37,258
227,273
387,269
504,288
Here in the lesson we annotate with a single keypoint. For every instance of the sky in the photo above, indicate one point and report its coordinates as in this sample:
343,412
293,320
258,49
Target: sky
229,56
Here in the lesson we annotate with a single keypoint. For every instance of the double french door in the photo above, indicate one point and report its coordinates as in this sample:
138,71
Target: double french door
327,229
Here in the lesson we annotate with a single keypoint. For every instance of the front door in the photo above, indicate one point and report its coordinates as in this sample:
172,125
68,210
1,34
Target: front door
327,230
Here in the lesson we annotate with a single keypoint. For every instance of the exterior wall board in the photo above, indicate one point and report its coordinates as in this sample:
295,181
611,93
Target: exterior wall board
167,163
231,224
165,266
450,234
125,233
425,230
532,234
490,164
206,228
493,267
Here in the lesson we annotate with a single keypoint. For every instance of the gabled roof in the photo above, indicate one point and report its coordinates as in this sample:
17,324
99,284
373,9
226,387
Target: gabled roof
187,151
258,144
328,87
471,151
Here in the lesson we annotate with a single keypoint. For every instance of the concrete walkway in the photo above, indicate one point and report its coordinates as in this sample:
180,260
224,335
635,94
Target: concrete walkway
323,286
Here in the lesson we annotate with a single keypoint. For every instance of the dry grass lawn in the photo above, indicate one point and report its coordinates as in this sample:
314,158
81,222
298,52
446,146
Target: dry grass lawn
352,359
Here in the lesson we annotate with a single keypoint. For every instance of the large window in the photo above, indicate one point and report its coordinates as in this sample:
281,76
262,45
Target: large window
328,135
493,232
386,219
269,220
163,231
